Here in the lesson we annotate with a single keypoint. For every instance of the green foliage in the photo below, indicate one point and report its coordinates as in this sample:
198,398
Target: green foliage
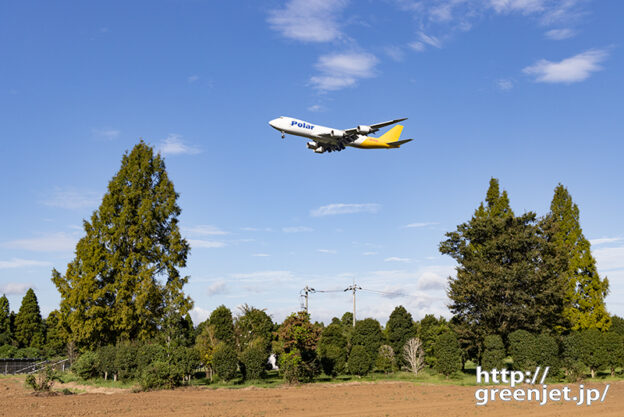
86,366
593,351
7,351
223,325
107,361
359,362
347,319
399,329
29,330
43,380
572,347
429,330
448,354
298,339
252,325
617,325
54,340
126,360
205,343
368,333
124,283
28,352
159,375
493,352
385,359
585,290
254,359
523,350
5,321
547,353
184,361
333,349
225,361
509,274
614,350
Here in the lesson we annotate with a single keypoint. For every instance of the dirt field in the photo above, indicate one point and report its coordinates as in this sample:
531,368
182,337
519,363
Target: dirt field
353,399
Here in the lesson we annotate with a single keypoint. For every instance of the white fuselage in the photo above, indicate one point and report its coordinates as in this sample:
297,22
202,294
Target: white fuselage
309,130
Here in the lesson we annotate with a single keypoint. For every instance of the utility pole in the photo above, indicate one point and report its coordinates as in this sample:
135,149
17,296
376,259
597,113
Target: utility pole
305,292
353,288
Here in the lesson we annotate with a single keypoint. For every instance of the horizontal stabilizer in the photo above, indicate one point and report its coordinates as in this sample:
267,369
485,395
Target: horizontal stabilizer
398,143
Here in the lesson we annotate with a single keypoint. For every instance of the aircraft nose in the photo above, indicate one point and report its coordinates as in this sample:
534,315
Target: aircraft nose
274,123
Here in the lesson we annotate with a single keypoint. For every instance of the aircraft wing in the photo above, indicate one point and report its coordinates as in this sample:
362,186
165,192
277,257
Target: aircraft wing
373,128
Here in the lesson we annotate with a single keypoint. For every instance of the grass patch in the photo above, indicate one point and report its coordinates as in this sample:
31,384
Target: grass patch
96,382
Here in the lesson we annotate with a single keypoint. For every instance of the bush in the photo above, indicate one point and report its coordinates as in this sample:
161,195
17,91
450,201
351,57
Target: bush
333,359
159,375
547,353
523,349
28,352
106,361
385,359
368,333
185,360
7,351
86,366
291,366
148,354
593,351
126,361
224,361
494,352
254,360
359,362
448,354
43,381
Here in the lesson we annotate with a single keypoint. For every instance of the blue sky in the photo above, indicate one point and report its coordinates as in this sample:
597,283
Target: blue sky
527,91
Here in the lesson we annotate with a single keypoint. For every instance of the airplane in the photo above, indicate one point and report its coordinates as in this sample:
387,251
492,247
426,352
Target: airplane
326,139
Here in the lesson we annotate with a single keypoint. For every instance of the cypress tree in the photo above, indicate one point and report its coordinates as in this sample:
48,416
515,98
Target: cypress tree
368,333
399,329
5,321
124,282
29,330
223,325
584,306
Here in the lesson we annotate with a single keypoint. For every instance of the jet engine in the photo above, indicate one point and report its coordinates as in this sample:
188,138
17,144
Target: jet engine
337,133
363,130
319,150
312,145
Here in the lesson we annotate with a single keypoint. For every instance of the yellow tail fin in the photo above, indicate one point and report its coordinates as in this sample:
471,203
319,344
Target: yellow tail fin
391,135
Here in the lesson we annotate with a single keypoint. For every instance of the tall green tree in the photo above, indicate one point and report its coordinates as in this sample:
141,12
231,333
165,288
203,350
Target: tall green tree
585,290
29,330
5,321
430,328
399,329
223,324
253,326
124,283
368,333
55,341
508,274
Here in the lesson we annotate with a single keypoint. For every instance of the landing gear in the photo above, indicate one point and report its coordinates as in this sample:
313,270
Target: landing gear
283,135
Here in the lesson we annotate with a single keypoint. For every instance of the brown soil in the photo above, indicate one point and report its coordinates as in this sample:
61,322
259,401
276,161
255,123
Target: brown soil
352,399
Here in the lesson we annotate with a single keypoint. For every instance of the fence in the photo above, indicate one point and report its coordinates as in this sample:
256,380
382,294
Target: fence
29,365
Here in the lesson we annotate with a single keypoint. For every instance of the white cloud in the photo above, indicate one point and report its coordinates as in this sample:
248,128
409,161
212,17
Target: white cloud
560,34
199,315
173,145
418,225
21,263
341,208
522,6
609,258
604,240
105,134
430,40
15,288
308,20
70,198
417,46
342,70
397,259
569,70
191,79
328,251
260,255
504,84
218,287
204,230
205,244
297,229
265,277
395,52
369,253
256,229
431,280
57,242
316,108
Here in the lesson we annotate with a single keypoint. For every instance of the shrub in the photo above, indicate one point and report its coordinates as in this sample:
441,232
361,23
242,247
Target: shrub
385,359
224,361
368,333
106,363
86,366
359,362
254,360
614,346
593,352
493,353
333,359
159,375
523,349
291,366
27,352
126,361
298,339
148,354
572,354
43,381
7,351
547,353
185,360
448,354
